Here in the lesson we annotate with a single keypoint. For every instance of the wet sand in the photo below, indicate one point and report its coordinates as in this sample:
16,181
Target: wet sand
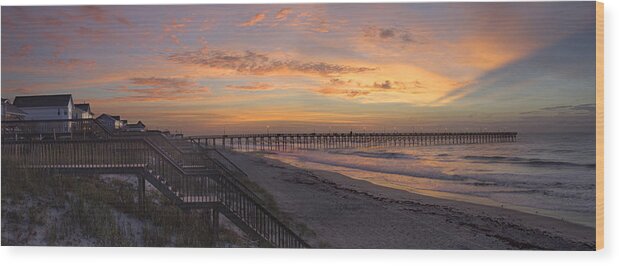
331,210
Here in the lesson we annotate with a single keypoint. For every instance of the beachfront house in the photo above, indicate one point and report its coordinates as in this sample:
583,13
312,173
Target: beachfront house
11,112
82,111
112,122
46,107
137,127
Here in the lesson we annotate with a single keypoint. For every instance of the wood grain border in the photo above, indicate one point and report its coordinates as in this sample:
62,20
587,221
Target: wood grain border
599,125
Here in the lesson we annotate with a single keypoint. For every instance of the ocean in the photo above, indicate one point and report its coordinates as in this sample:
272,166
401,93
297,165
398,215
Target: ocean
545,174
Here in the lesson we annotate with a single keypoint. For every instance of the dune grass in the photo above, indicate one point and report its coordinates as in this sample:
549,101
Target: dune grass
40,208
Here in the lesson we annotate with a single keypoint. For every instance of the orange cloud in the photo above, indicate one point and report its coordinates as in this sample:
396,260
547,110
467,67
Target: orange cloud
391,83
174,26
345,92
254,20
490,52
283,13
291,114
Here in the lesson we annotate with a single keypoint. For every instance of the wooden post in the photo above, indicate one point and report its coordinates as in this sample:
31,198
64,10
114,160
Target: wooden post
142,194
214,213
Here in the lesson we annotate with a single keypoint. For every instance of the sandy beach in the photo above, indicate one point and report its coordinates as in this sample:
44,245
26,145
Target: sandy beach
331,210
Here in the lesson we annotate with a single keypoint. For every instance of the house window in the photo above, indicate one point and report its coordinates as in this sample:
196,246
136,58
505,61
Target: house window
65,112
58,111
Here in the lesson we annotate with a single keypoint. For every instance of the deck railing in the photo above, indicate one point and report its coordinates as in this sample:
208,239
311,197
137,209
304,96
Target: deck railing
51,129
186,189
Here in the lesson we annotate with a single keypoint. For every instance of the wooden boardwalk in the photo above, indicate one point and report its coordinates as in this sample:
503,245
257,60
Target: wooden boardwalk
191,178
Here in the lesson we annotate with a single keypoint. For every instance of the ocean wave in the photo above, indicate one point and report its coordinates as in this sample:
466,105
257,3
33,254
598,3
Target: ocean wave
421,172
555,150
378,155
508,180
520,160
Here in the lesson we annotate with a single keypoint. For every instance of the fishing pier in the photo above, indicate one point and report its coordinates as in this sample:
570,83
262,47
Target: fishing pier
347,140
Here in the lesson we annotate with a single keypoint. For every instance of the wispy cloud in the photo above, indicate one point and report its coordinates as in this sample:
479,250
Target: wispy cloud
153,89
283,13
587,108
254,63
71,63
314,22
100,15
94,34
94,12
254,20
175,27
351,93
24,50
252,87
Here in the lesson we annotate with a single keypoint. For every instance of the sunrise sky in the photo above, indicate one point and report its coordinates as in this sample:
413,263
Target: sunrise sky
321,67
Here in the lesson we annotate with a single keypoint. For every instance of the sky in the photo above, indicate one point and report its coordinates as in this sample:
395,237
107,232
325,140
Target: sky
210,69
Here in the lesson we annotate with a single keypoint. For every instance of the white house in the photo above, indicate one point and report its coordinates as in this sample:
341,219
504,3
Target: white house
110,121
82,111
46,107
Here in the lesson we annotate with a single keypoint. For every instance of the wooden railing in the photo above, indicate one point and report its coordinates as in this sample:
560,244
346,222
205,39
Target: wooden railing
52,129
163,171
227,168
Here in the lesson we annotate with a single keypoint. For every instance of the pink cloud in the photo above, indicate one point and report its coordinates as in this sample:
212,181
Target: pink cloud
254,63
24,50
155,89
72,63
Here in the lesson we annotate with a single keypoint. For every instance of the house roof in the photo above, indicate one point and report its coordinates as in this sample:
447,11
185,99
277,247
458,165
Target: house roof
83,106
138,124
113,117
42,100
